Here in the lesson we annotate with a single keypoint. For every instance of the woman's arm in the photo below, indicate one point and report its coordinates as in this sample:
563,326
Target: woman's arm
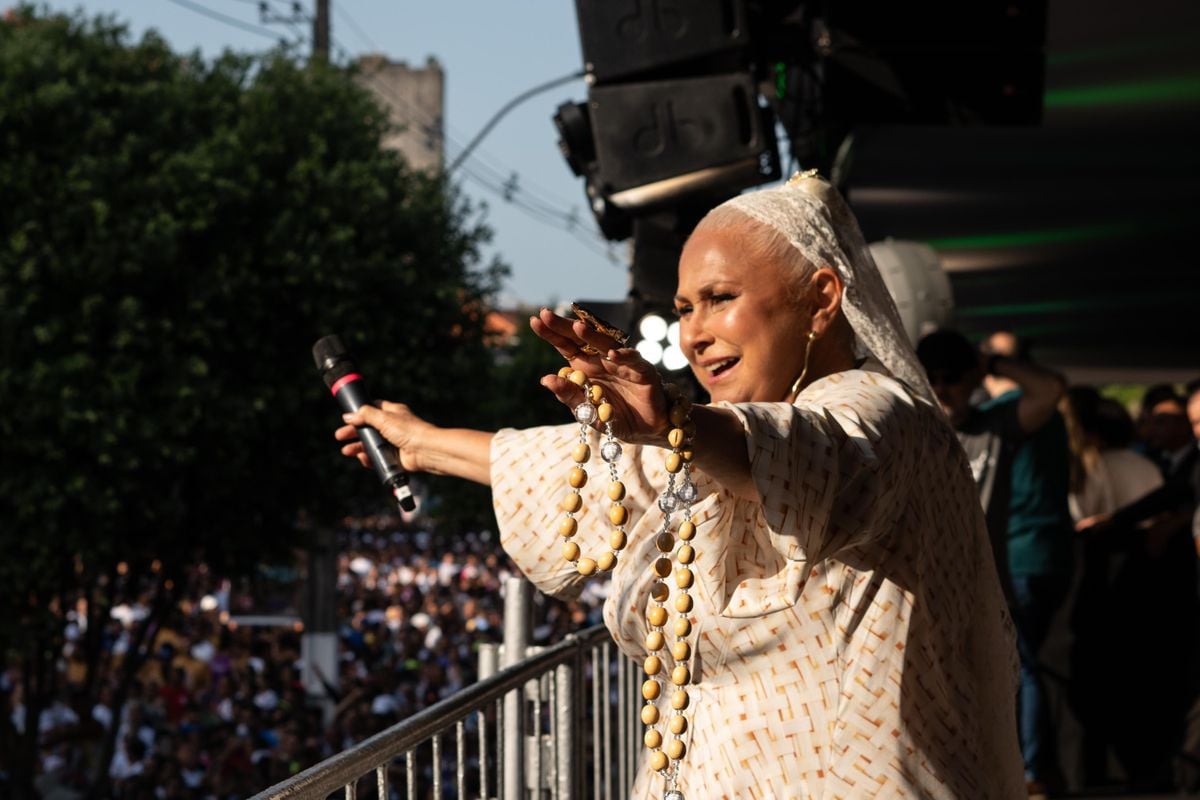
721,450
422,446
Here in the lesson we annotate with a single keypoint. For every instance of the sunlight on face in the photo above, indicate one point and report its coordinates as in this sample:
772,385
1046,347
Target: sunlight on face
741,329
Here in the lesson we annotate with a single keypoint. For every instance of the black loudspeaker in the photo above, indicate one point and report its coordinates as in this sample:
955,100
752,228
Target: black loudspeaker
658,130
979,62
625,37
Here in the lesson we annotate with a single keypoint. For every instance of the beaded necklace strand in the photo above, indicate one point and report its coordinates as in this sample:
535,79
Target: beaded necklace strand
678,497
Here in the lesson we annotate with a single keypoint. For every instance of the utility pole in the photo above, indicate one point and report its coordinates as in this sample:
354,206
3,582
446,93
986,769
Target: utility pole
321,31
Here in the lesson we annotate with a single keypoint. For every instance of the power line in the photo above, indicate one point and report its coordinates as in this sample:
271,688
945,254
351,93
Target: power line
354,26
228,20
501,181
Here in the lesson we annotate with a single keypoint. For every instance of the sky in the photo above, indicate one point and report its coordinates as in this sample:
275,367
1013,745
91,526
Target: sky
490,52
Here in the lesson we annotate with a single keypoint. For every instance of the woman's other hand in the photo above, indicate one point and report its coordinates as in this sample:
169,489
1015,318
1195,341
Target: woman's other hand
631,384
395,422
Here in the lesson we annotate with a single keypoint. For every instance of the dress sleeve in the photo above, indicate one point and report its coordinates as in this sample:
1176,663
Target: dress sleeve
529,480
833,470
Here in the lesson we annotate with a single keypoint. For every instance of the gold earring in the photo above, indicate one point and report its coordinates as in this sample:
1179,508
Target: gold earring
812,337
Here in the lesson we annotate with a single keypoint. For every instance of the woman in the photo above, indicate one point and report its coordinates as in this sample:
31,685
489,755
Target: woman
849,632
1106,473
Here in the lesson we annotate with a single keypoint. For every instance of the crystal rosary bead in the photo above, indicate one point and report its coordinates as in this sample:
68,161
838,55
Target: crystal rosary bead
585,413
686,493
610,451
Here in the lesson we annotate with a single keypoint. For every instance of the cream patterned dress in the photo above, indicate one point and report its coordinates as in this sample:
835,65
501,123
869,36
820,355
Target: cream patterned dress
851,638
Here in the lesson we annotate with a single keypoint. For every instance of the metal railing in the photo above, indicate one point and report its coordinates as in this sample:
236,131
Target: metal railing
519,734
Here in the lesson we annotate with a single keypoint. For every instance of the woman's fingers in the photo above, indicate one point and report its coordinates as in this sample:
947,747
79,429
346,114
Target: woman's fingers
566,392
355,450
570,337
566,346
601,342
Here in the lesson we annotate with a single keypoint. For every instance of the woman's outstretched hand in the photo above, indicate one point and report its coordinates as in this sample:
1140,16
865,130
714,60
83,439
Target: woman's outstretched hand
630,383
395,422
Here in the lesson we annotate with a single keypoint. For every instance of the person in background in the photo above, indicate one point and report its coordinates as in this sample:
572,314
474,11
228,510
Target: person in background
1151,427
1153,600
1106,473
1040,547
991,432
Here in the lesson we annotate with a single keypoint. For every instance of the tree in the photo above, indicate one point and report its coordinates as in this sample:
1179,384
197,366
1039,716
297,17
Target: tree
174,236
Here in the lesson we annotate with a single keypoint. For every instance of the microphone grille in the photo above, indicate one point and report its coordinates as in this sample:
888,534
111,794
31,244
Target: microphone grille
327,351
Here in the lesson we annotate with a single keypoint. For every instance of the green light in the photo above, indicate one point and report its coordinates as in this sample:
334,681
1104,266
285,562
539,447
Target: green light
1076,304
1163,90
780,79
1132,49
1082,233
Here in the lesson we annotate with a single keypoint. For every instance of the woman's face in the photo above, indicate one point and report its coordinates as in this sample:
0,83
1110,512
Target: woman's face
739,325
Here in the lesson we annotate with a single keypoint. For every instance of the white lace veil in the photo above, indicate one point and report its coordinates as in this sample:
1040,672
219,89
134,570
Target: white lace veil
810,214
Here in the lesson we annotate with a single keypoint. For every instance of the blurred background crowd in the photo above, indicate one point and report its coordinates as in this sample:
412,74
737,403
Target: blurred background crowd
219,709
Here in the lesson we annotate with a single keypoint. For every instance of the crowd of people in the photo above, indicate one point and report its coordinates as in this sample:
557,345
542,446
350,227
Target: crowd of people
219,710
1094,523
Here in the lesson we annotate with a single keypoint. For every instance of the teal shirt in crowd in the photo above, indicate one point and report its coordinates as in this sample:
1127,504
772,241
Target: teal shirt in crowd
1039,522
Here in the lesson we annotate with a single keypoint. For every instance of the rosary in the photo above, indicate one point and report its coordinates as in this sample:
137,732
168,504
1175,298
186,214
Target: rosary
680,493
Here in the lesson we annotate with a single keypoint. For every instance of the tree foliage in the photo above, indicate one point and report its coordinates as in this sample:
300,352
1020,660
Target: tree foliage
174,236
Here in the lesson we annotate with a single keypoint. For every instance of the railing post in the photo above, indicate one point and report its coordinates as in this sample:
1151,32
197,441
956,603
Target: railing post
568,720
517,597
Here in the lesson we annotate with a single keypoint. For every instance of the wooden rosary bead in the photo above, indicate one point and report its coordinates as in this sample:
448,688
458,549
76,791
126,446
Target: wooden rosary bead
571,551
565,372
655,641
577,477
649,714
618,514
572,502
616,491
577,377
659,591
676,437
651,690
606,561
678,724
680,700
683,603
604,411
652,665
687,530
595,393
581,453
683,627
681,675
662,567
674,462
681,651
653,739
617,540
684,578
665,542
686,554
657,615
567,527
586,566
676,749
659,761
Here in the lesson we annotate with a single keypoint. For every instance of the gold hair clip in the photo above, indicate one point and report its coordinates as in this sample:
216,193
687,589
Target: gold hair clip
595,323
799,176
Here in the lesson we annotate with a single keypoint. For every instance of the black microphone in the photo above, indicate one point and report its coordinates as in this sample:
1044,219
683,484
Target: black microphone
340,374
